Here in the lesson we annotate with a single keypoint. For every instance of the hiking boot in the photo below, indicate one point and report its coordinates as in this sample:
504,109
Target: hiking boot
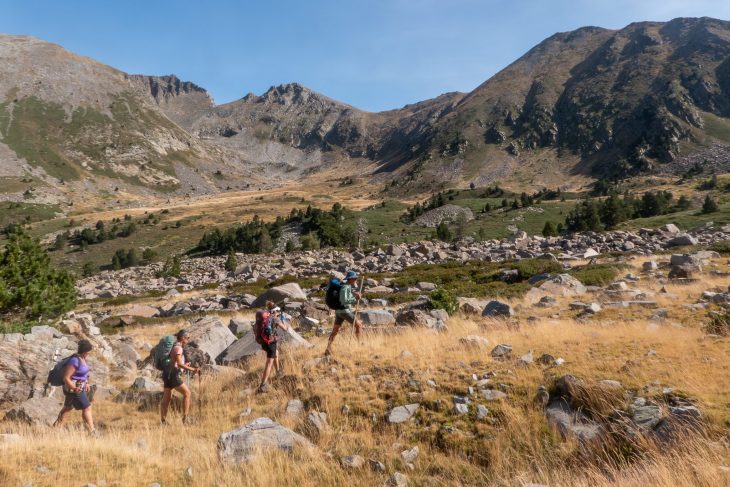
188,420
94,433
263,389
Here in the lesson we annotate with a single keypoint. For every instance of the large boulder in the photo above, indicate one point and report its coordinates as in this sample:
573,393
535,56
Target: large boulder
563,285
243,444
379,317
211,336
286,292
318,311
37,411
246,346
497,309
681,240
143,311
415,317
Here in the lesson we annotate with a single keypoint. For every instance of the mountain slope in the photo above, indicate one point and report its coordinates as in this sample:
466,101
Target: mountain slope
80,130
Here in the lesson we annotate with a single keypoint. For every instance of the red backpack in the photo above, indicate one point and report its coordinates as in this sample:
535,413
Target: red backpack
263,328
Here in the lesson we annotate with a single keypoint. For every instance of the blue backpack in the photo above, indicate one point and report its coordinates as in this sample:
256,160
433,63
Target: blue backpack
332,297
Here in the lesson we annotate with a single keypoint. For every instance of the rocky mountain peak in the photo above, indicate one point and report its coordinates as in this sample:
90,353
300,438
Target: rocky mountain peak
164,87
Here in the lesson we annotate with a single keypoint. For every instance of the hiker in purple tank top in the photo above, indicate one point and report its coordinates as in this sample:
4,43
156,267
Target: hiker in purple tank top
76,386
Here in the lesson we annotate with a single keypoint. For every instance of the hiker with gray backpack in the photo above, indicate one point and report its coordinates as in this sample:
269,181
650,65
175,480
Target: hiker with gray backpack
72,373
169,358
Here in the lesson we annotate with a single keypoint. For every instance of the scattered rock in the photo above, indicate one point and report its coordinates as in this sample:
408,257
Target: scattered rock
474,341
401,414
502,350
243,444
410,456
354,462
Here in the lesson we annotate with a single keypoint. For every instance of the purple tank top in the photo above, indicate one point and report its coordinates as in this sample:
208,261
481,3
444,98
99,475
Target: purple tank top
81,369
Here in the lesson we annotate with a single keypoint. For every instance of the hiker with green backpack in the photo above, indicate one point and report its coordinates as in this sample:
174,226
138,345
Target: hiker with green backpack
340,297
169,357
73,374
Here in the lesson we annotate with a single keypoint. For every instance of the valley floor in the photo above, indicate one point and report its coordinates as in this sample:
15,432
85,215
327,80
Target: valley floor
511,446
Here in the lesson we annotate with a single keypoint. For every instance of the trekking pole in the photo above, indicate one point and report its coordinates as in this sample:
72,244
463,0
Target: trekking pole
357,306
200,395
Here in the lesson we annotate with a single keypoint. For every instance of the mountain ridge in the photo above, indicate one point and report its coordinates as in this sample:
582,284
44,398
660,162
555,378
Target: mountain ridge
582,104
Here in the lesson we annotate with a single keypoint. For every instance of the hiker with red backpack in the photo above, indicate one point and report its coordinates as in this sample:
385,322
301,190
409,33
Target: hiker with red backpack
340,297
73,374
170,359
265,332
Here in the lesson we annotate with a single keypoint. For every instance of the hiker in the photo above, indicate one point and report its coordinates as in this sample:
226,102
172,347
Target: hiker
76,386
172,377
265,332
342,305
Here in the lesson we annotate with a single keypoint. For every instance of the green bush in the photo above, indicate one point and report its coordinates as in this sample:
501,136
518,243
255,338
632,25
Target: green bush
89,269
533,267
596,274
721,247
442,299
30,289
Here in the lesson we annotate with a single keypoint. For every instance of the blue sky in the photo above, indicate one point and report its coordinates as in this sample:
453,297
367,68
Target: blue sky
373,54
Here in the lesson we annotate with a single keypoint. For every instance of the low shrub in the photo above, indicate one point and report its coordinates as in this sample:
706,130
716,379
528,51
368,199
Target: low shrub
443,299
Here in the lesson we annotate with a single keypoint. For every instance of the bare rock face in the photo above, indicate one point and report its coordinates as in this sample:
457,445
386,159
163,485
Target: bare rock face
25,361
243,444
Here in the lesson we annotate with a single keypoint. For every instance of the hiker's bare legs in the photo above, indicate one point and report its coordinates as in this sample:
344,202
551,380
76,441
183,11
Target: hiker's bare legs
335,331
267,369
62,416
88,418
185,391
277,365
166,396
358,329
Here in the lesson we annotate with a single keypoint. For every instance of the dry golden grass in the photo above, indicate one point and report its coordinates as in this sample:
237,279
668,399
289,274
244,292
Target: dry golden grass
514,446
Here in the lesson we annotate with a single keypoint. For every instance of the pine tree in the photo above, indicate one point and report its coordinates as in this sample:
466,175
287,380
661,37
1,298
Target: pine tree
709,206
30,288
549,230
461,222
443,232
231,262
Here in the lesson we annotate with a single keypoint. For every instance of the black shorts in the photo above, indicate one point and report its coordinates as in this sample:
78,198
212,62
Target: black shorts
172,378
76,401
270,349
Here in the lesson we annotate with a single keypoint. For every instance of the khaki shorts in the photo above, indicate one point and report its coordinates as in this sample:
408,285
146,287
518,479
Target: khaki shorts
342,315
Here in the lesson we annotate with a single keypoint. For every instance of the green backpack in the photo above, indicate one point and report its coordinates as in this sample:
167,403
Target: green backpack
162,352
